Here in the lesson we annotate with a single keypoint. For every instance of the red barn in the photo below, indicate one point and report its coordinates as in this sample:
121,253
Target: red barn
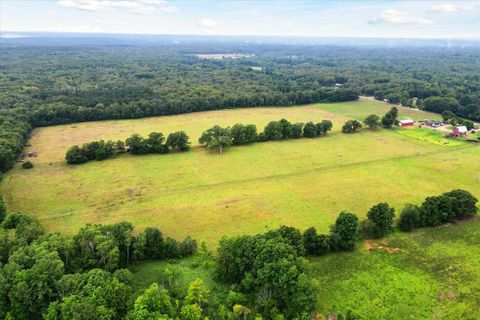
460,131
405,123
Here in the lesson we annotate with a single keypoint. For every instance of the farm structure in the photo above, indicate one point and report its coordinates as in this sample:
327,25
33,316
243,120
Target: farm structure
460,131
433,123
405,123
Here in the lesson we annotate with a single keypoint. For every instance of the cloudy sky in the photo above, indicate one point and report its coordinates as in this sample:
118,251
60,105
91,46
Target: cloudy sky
387,18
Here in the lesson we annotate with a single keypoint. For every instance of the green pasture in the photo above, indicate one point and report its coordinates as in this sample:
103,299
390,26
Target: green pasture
426,274
249,189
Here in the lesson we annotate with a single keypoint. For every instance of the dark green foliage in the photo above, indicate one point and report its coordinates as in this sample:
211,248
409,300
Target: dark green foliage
243,134
390,118
323,127
33,273
95,295
136,144
440,104
269,266
273,130
344,232
154,143
351,126
409,218
27,165
372,121
291,236
315,244
381,215
469,124
96,150
297,130
436,210
309,130
3,210
216,138
448,116
463,203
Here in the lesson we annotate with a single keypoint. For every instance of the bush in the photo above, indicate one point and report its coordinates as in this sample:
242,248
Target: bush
27,165
409,218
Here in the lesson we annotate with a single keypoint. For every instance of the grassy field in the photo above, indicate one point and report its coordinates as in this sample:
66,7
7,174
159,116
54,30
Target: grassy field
249,189
428,274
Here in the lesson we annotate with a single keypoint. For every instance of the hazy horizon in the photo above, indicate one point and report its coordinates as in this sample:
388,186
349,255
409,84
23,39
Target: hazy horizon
309,19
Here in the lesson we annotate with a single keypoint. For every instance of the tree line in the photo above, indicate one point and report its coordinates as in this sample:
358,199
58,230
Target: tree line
135,144
220,138
214,138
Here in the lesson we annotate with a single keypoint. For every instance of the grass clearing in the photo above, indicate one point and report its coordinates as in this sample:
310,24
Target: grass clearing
434,275
249,189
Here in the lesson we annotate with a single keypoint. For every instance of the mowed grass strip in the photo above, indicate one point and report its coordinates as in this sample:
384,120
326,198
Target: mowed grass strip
249,189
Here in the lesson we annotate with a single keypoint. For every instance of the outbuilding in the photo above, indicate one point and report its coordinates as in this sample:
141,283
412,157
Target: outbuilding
460,131
405,123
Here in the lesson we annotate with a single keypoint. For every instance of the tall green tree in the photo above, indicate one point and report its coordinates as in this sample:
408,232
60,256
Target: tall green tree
381,215
216,138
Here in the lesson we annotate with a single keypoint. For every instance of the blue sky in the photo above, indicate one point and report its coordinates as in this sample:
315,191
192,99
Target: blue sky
387,18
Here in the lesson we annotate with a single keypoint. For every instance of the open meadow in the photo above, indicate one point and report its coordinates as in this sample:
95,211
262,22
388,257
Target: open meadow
430,273
249,189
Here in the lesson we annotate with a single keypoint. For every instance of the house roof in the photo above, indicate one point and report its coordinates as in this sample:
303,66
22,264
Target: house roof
406,121
461,129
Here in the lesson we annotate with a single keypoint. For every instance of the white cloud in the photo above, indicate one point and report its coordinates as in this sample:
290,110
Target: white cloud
135,6
392,16
208,23
450,8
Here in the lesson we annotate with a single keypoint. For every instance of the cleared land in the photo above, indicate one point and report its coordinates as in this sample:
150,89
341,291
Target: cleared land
427,274
431,273
249,189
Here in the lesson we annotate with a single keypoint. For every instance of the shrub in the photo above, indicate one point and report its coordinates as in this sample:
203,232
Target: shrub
27,165
409,218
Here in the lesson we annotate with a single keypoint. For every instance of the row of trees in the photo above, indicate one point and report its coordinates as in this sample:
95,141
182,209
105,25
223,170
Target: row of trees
435,210
372,121
135,144
219,138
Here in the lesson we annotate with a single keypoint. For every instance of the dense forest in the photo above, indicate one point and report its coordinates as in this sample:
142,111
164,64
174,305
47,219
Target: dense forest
47,83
